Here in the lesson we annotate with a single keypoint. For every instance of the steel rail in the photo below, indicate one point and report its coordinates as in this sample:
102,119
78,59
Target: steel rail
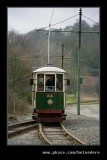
20,128
74,138
43,135
21,124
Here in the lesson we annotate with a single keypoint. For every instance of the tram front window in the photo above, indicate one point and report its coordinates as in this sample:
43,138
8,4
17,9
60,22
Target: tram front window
40,80
59,82
50,82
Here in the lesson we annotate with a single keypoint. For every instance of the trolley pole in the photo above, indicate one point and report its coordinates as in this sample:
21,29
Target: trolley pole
62,54
79,52
49,45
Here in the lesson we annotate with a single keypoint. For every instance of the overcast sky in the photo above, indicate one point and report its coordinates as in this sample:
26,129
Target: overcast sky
25,19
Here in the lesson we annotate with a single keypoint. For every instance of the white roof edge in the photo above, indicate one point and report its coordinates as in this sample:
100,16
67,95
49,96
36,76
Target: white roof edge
49,69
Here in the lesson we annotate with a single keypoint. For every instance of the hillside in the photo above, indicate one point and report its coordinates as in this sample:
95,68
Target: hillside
31,49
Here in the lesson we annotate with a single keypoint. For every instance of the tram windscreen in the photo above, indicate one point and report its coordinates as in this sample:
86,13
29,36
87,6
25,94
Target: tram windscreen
50,82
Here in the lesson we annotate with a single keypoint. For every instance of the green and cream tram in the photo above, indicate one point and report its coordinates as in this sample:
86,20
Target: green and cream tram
49,86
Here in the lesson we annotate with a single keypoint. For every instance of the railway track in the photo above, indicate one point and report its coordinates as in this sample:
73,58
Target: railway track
58,135
16,129
52,134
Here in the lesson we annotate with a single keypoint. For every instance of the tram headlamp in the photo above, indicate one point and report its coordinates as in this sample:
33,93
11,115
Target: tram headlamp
50,101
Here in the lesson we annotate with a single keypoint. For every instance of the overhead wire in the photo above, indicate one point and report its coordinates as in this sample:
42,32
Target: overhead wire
74,14
90,19
65,20
60,21
95,13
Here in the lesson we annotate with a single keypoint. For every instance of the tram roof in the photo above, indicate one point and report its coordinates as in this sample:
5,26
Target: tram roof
49,69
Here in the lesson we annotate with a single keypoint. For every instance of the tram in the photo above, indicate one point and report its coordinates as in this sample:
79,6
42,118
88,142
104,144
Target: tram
49,86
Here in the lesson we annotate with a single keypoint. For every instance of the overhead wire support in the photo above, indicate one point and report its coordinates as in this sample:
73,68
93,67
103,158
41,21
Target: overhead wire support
69,31
62,54
79,51
56,31
90,32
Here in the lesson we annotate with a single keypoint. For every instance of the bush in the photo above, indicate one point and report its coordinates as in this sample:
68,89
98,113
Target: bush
28,96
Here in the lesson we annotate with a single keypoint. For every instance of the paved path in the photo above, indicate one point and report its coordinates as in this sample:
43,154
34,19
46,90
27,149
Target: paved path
92,110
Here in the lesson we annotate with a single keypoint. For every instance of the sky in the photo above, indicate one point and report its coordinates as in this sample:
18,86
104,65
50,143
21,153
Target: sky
24,20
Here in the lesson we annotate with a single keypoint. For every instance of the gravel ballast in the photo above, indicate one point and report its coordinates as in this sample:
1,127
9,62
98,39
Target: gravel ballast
85,128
